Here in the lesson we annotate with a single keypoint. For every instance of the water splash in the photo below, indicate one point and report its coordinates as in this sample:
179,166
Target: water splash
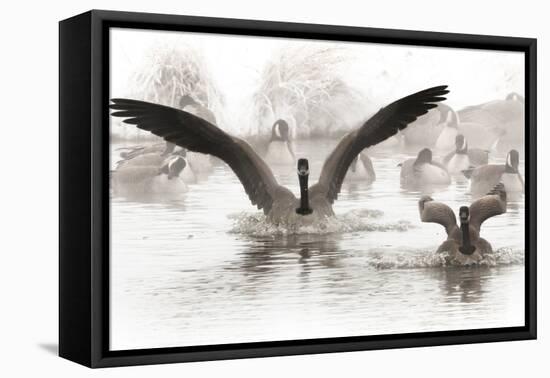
353,221
413,259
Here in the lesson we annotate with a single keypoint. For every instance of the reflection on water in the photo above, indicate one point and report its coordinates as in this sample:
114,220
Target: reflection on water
203,267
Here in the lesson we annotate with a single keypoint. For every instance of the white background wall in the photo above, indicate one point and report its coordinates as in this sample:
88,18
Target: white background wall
28,194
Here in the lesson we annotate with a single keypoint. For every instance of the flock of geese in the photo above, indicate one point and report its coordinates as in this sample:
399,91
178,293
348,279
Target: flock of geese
191,135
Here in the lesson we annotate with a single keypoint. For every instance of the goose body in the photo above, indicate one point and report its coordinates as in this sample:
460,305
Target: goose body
142,159
485,177
361,169
464,244
446,139
278,203
422,172
280,150
425,131
457,163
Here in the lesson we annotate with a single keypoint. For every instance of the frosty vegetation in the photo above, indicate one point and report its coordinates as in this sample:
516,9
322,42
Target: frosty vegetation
166,73
304,85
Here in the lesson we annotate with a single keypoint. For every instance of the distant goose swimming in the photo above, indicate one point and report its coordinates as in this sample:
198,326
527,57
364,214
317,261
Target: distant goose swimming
156,156
463,243
485,177
361,169
189,104
139,177
280,150
463,158
423,171
278,203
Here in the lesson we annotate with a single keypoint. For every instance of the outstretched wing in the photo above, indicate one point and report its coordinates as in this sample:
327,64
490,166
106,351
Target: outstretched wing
378,128
436,212
490,205
196,134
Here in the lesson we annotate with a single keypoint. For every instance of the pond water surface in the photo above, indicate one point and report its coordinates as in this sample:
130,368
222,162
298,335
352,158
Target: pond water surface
203,267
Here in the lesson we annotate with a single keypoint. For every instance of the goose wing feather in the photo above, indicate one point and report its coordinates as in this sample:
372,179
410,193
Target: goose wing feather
196,134
385,123
490,205
436,212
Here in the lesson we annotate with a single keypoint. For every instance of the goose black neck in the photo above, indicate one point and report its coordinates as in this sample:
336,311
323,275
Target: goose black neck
304,208
466,248
303,175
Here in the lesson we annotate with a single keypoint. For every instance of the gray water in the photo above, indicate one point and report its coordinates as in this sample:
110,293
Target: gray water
204,268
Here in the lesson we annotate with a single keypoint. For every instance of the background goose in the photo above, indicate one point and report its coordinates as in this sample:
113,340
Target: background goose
189,104
463,243
134,177
162,149
487,176
200,164
426,129
463,158
445,139
422,171
280,149
157,157
506,117
479,135
361,169
277,202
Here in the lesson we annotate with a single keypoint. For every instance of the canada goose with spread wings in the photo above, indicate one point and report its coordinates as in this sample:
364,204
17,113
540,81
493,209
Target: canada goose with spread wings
278,203
463,243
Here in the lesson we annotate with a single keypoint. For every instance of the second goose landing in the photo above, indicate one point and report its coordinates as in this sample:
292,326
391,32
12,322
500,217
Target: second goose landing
464,244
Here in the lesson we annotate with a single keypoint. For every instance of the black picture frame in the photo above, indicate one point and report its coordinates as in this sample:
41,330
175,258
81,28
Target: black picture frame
83,181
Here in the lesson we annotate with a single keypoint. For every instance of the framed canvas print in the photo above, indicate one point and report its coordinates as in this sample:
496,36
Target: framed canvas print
234,188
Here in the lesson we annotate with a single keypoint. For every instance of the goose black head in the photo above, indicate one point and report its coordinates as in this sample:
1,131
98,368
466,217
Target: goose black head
303,174
424,156
173,166
280,130
461,144
515,97
512,161
186,100
303,167
464,214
